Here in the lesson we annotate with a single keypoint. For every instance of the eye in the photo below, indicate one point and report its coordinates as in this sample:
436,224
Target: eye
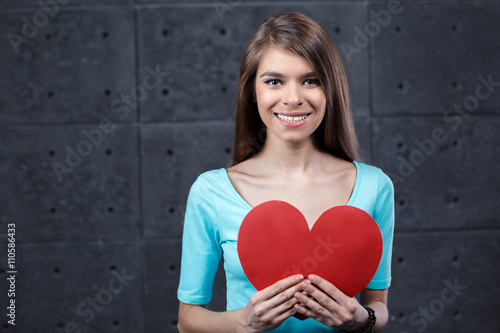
272,82
311,82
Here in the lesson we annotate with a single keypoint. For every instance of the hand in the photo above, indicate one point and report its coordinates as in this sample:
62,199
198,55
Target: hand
328,305
270,307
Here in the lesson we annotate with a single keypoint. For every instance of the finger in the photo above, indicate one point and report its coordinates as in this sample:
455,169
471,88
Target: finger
278,298
281,305
318,301
329,289
285,300
287,314
302,309
318,316
312,304
281,286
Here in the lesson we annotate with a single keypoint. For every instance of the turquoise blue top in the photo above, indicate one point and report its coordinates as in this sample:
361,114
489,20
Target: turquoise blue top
213,217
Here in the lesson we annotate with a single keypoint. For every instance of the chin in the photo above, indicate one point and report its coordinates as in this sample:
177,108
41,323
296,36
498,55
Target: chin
296,139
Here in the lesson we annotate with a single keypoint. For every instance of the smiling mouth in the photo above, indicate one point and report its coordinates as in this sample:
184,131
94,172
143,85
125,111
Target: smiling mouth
292,119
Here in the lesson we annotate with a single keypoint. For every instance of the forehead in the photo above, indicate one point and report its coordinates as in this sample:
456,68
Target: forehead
276,59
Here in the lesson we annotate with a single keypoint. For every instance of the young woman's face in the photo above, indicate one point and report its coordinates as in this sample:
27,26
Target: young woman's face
290,100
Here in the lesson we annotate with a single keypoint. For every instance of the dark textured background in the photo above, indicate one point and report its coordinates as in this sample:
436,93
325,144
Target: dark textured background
117,211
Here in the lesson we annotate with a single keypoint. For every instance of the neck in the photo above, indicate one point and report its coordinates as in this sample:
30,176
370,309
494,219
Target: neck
289,159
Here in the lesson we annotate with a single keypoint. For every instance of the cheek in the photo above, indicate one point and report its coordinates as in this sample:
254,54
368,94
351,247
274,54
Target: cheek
320,106
319,101
262,98
262,95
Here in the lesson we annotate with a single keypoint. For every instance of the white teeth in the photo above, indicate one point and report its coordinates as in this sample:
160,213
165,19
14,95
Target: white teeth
291,119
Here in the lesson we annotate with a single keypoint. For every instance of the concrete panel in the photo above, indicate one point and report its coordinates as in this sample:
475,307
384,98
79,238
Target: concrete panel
54,6
94,287
425,265
70,183
70,68
228,3
443,170
173,156
429,120
425,2
429,57
163,262
222,5
203,59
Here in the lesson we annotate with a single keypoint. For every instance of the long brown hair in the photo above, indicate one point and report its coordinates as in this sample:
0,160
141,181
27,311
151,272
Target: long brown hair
307,38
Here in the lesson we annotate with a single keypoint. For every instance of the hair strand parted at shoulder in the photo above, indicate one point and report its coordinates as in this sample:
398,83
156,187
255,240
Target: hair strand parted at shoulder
305,37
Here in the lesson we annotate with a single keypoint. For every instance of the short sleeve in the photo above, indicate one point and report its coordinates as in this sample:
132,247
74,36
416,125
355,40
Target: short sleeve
201,251
384,216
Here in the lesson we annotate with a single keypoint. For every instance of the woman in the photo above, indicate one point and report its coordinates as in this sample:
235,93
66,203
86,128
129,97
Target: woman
295,142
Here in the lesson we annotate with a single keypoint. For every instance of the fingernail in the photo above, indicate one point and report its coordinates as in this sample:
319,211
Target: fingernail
298,296
312,277
299,277
304,285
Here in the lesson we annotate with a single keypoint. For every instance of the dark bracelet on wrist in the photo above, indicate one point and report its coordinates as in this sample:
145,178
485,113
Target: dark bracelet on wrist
370,322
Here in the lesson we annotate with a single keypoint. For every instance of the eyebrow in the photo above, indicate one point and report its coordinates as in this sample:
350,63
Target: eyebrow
276,74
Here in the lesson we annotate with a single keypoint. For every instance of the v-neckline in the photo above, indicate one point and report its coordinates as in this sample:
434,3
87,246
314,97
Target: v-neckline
247,205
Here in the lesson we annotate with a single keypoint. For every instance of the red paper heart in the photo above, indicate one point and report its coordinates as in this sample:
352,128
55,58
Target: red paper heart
344,246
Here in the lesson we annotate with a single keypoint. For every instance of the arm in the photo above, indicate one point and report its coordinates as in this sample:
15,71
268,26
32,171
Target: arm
267,309
377,300
197,318
333,308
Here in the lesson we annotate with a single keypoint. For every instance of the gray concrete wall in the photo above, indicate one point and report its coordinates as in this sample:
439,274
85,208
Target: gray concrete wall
110,109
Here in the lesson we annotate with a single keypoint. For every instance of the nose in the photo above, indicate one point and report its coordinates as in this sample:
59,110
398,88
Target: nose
292,95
